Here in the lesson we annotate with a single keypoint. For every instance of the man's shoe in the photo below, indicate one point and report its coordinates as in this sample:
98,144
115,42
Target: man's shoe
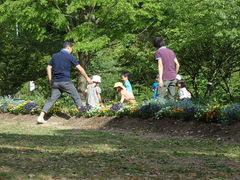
40,120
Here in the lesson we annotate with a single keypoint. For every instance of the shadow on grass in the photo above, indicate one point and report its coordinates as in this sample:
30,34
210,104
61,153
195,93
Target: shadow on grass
88,154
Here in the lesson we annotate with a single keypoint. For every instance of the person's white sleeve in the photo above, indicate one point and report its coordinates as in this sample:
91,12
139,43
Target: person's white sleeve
99,90
180,93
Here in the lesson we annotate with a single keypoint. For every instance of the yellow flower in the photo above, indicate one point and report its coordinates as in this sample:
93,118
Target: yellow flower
10,106
216,106
133,110
178,110
55,109
21,105
134,104
104,109
74,110
57,103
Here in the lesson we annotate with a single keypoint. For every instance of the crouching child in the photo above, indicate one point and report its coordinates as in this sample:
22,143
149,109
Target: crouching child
126,96
182,91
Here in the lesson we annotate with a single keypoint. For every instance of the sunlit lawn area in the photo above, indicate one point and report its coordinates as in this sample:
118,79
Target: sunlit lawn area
47,152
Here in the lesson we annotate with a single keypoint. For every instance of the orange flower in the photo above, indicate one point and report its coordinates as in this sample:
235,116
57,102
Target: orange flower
178,110
211,114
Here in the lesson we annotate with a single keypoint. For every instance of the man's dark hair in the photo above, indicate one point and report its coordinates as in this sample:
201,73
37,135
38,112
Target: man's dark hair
182,83
158,42
67,44
124,74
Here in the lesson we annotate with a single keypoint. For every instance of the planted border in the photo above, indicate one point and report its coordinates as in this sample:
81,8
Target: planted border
186,110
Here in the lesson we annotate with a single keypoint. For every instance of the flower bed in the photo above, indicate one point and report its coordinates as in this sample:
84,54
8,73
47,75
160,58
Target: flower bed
187,110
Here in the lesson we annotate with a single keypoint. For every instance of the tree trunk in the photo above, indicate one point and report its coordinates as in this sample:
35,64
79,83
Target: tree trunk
209,91
81,81
195,87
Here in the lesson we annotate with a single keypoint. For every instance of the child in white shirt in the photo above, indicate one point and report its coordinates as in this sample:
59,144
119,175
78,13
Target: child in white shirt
93,92
182,91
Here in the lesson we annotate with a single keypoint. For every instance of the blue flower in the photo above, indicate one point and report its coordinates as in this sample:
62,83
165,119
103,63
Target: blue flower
30,106
150,107
190,109
115,107
84,109
2,108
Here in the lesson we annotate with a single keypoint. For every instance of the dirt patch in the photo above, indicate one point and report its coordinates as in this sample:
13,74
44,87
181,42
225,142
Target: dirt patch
172,127
146,127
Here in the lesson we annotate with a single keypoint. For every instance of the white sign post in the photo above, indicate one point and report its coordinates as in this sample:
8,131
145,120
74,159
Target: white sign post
32,86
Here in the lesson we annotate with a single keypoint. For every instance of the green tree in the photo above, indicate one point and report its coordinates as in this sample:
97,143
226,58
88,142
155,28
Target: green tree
111,36
206,36
91,24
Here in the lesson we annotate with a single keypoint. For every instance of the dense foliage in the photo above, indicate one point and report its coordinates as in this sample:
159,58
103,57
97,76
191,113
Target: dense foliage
112,36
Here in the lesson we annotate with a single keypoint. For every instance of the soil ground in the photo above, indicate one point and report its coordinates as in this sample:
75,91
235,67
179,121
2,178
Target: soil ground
146,127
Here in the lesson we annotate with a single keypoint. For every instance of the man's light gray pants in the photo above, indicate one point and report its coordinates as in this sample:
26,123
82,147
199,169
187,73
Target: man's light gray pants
57,89
170,87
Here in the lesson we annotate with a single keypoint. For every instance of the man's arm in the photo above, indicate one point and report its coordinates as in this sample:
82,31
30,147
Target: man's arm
160,71
83,72
49,73
177,65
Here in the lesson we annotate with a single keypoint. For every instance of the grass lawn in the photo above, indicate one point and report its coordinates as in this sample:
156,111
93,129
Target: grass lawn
49,152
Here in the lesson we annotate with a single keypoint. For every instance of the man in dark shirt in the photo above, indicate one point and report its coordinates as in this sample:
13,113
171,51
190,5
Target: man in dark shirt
168,67
58,71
